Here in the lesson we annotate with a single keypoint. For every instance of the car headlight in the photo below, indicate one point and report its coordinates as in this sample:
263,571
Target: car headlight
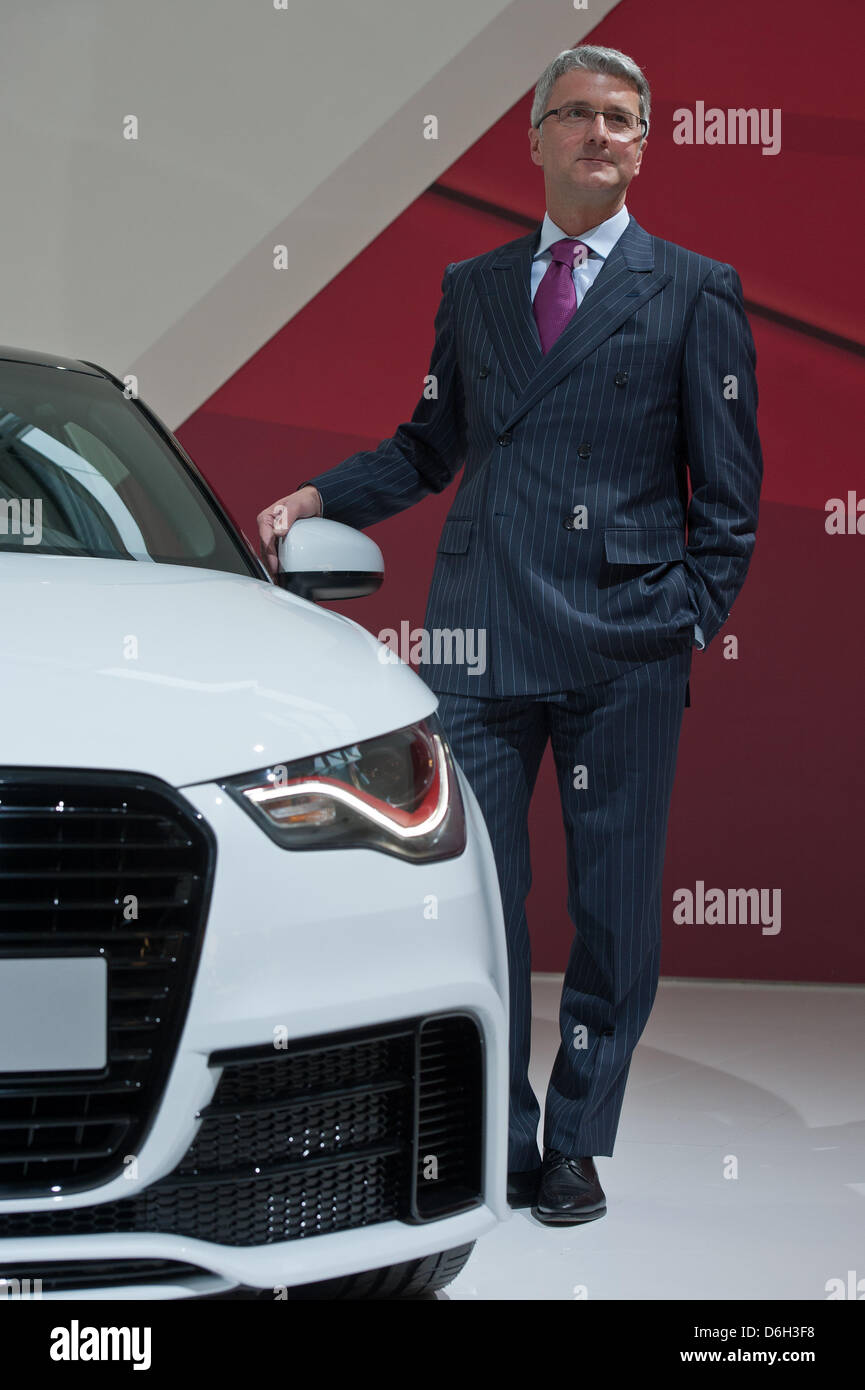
397,793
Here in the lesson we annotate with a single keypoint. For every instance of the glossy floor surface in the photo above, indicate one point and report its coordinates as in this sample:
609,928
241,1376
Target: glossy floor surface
739,1166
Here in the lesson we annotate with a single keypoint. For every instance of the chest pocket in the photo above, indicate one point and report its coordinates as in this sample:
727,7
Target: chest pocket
455,536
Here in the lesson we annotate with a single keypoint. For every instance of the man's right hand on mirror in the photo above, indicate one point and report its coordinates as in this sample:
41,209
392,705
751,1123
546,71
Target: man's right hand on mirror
275,521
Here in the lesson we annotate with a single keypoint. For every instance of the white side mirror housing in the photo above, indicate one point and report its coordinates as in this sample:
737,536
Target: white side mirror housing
321,559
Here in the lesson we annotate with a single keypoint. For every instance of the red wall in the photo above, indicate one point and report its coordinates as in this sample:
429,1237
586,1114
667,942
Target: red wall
769,790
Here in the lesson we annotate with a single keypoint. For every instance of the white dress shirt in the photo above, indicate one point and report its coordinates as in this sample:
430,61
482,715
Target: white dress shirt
600,241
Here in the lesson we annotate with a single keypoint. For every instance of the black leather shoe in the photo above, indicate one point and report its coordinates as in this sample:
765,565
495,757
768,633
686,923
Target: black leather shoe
570,1192
523,1188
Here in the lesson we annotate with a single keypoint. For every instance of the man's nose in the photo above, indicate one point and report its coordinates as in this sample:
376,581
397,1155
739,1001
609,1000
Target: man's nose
598,128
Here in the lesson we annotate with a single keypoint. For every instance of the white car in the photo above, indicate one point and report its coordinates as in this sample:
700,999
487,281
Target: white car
253,974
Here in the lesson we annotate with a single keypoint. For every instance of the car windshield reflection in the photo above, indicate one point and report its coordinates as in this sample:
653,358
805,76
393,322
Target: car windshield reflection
84,472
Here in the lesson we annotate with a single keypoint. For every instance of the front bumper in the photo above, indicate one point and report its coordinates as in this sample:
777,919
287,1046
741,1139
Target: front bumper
300,945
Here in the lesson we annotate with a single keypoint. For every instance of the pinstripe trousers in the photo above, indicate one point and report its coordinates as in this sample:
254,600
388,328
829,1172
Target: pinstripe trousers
614,745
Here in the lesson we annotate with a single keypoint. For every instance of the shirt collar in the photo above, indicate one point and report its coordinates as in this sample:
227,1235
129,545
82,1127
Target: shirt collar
600,239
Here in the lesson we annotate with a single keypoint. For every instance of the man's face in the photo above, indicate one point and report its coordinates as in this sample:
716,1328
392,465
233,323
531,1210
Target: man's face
587,165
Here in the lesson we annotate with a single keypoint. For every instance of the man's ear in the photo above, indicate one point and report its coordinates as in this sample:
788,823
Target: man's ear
535,147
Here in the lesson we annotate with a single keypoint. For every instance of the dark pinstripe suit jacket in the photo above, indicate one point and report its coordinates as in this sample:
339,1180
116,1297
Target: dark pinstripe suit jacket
652,381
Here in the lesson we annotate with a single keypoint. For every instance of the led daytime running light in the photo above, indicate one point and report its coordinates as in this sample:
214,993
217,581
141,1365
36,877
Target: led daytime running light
261,795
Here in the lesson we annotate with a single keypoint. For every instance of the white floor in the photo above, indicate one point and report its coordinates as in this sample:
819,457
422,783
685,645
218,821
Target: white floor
768,1075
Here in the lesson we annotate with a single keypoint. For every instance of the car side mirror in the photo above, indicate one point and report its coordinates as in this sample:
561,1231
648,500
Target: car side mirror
322,560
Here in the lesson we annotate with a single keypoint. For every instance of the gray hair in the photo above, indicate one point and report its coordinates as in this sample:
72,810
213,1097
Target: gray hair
609,61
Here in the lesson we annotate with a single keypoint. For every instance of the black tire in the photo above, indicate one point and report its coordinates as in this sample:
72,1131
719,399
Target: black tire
408,1280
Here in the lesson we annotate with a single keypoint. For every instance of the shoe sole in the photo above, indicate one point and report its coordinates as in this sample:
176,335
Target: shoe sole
549,1218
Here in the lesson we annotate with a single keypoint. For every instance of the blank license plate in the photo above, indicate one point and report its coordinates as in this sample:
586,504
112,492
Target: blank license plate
53,1014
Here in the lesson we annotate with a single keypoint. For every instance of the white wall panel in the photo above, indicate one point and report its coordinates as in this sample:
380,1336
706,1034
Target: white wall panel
257,126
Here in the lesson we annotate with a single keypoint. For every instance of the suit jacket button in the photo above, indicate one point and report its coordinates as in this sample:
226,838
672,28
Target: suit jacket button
504,438
568,521
484,371
584,450
606,1032
621,378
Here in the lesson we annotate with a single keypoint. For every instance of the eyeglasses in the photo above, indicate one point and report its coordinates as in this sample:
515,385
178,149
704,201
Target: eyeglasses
621,125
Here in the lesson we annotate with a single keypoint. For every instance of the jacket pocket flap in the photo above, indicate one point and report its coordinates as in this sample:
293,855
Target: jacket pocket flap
638,545
455,535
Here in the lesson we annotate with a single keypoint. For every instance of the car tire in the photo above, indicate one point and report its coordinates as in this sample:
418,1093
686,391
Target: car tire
407,1280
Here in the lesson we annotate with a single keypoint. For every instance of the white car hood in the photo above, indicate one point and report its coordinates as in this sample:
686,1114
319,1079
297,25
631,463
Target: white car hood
184,673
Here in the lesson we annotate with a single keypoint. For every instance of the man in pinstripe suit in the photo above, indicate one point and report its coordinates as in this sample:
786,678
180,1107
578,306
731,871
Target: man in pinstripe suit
585,372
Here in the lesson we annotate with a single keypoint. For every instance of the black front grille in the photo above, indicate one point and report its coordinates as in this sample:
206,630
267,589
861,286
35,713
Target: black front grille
116,865
331,1133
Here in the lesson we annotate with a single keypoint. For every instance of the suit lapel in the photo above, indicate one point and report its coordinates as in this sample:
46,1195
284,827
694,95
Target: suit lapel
626,281
504,290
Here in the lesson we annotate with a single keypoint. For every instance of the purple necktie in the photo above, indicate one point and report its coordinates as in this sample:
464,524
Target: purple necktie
555,300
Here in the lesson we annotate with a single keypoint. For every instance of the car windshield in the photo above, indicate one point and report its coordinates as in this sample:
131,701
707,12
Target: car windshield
84,472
